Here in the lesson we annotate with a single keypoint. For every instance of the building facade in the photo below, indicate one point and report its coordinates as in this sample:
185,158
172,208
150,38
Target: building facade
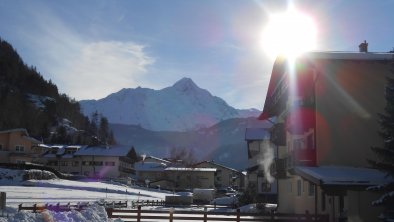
261,152
16,146
326,107
155,174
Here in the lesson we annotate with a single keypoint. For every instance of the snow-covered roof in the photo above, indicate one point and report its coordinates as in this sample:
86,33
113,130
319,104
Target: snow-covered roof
157,158
256,134
149,166
116,151
190,169
349,55
15,130
216,164
342,175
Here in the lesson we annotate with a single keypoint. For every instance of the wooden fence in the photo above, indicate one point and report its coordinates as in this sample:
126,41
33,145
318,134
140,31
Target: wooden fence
138,215
58,207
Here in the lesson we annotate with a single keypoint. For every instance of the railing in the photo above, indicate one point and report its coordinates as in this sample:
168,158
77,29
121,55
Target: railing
301,157
171,215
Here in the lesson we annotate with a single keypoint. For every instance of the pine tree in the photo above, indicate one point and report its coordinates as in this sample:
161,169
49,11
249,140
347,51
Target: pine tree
385,154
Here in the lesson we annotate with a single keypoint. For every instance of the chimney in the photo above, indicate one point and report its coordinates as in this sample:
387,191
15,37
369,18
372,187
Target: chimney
363,47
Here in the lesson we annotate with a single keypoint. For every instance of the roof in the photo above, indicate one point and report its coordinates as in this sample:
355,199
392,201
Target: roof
149,166
342,175
190,169
156,158
116,151
279,70
256,134
15,130
217,164
338,55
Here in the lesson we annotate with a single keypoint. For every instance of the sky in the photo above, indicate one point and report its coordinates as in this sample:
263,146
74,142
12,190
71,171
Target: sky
91,49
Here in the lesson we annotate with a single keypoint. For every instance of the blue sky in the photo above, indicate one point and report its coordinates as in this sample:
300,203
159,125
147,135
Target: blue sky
93,48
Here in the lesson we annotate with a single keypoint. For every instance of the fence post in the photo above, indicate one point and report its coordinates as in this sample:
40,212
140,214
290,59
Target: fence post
139,213
109,212
205,214
238,215
171,214
34,208
19,207
308,217
272,215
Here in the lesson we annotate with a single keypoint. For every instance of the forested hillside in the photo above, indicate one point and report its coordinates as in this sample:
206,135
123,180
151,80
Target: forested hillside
29,101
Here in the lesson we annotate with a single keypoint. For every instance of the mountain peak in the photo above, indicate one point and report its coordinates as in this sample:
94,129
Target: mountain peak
185,84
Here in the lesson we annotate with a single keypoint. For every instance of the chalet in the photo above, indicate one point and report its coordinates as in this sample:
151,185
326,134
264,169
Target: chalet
261,151
16,146
326,107
168,177
224,176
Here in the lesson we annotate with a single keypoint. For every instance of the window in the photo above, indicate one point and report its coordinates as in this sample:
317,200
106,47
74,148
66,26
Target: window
52,163
85,163
309,142
98,163
19,148
75,163
265,187
311,190
109,163
290,187
299,184
64,163
20,161
298,144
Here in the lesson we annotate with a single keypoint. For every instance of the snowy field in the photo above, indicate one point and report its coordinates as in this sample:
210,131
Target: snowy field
54,191
63,191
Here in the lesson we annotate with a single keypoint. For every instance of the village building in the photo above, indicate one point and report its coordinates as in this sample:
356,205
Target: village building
161,175
326,107
16,146
224,176
261,151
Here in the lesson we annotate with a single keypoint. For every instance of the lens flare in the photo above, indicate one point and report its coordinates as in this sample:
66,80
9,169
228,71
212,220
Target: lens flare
289,34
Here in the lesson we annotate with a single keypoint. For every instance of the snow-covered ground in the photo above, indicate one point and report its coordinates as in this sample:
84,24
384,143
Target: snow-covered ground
54,191
64,191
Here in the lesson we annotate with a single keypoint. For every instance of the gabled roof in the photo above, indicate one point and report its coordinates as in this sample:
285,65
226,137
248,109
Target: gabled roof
15,130
216,164
25,134
156,158
189,169
281,64
115,151
256,134
343,175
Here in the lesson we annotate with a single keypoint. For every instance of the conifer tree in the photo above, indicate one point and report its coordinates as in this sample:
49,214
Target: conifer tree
385,154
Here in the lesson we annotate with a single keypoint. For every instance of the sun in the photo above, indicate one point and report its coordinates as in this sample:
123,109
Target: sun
290,34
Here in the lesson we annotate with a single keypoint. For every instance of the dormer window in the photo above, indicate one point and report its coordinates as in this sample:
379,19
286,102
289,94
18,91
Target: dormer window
19,148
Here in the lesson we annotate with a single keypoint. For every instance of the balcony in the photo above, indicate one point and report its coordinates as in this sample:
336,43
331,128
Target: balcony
278,168
278,134
301,157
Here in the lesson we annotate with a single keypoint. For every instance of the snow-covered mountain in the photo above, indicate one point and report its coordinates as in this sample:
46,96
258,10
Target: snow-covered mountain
183,106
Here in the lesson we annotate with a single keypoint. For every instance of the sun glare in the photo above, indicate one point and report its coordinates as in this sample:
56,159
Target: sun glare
289,34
